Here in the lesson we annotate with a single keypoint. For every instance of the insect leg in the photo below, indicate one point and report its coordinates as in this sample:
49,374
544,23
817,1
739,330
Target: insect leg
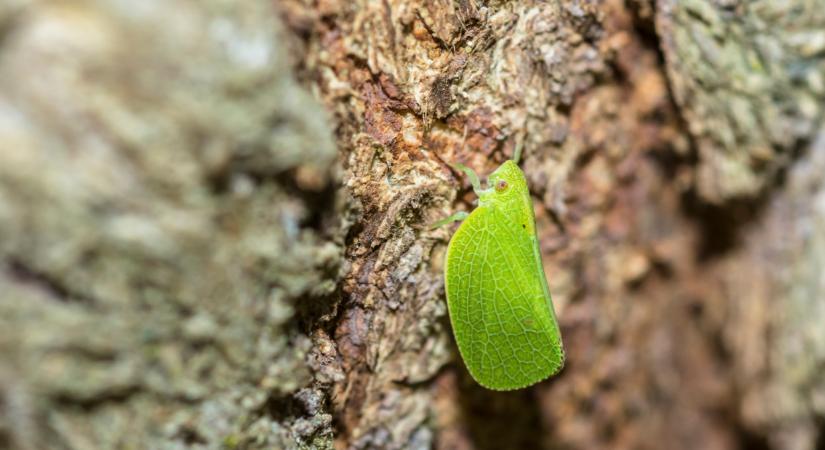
459,216
471,175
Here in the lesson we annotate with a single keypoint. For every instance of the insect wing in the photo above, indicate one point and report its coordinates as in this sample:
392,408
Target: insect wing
501,316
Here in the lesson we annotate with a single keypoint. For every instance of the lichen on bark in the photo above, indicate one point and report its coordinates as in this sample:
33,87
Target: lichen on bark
161,181
748,76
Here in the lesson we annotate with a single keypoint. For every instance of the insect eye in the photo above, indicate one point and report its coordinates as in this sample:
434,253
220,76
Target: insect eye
501,186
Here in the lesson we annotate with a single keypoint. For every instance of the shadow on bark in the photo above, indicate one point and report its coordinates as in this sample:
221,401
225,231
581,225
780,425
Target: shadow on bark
500,420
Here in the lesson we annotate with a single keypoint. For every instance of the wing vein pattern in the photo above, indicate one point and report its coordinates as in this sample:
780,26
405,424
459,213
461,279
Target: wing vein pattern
508,336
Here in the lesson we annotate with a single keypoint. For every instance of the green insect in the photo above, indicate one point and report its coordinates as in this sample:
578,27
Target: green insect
497,295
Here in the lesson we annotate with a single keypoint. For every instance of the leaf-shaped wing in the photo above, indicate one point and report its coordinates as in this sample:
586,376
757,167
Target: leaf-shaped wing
500,310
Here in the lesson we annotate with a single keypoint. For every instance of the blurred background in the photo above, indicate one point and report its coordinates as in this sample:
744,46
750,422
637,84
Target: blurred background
214,221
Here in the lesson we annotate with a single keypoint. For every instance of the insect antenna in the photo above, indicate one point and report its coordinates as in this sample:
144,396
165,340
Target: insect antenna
519,147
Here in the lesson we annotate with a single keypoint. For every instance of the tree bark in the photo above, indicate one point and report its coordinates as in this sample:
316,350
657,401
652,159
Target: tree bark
214,220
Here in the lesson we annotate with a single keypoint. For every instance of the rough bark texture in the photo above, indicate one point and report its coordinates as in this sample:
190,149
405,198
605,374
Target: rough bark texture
748,76
183,264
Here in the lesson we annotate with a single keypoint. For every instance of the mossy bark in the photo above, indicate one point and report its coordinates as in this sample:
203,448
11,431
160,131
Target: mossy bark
214,220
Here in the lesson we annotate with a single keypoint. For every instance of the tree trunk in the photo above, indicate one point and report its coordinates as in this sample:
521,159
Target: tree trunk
214,220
